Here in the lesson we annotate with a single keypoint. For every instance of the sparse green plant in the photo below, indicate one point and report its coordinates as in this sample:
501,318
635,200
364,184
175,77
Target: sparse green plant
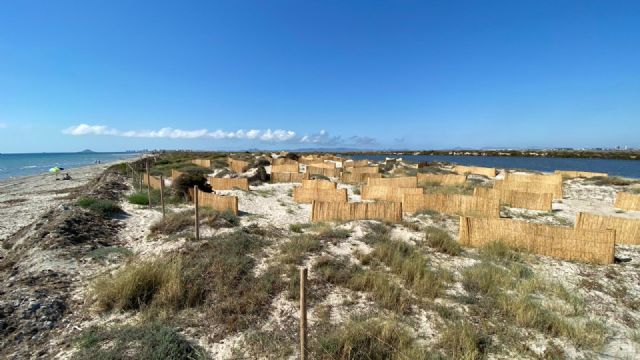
147,341
369,339
100,206
295,250
103,253
174,223
462,341
441,241
610,180
407,262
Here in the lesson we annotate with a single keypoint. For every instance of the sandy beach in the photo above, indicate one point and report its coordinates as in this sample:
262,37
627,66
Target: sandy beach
24,199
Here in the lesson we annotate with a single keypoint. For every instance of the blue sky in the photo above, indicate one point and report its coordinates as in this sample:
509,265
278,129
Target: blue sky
117,75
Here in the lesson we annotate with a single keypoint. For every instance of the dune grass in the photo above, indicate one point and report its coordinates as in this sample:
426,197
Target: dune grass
100,206
148,341
442,242
369,339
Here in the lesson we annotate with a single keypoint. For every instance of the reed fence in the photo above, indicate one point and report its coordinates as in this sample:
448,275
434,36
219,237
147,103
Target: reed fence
305,196
627,230
237,166
283,161
216,202
517,199
334,211
318,184
229,184
530,187
151,181
288,177
399,182
534,178
463,170
627,201
206,163
387,193
355,178
595,246
448,179
464,205
364,170
314,170
285,168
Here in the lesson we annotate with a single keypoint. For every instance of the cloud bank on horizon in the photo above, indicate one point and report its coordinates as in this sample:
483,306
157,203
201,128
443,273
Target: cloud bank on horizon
279,135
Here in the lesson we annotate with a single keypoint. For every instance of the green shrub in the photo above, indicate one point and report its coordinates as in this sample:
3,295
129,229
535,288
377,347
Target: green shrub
139,198
369,339
441,241
295,250
174,223
185,182
462,341
100,206
148,341
219,219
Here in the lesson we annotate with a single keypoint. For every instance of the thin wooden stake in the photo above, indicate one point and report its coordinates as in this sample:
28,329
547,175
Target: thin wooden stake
140,182
303,314
148,185
162,194
195,199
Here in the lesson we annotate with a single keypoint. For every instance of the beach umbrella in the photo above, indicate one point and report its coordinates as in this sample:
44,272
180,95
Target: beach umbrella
54,170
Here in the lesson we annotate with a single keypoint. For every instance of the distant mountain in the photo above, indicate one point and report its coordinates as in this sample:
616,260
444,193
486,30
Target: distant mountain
87,151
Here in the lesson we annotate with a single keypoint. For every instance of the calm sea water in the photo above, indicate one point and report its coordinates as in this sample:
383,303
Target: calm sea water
624,168
13,165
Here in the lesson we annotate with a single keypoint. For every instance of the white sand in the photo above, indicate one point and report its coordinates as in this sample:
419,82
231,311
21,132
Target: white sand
24,199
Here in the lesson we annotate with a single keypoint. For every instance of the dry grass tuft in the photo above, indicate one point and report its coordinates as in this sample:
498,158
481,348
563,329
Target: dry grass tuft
369,339
174,223
441,241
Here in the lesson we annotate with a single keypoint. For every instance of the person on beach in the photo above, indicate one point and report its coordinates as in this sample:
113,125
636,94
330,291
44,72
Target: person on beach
66,176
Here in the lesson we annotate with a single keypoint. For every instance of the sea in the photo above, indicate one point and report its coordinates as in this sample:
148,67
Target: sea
15,165
622,168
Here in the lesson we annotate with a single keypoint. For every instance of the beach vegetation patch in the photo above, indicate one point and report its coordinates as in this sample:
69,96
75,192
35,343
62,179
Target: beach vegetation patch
174,223
100,206
147,341
375,338
442,241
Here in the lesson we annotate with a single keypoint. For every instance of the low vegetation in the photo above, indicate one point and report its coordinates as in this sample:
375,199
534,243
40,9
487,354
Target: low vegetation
610,180
100,206
174,223
375,338
148,341
502,283
441,241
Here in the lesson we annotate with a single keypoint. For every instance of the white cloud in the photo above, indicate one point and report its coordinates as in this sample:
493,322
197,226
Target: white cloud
264,135
321,138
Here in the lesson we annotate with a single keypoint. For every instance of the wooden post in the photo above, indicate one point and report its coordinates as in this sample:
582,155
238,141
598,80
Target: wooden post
195,199
140,182
148,185
303,314
162,194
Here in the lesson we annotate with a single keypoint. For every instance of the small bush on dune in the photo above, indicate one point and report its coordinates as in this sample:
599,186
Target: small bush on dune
185,182
442,241
294,250
369,339
174,223
138,198
610,181
148,341
142,284
499,251
462,341
100,206
219,219
338,271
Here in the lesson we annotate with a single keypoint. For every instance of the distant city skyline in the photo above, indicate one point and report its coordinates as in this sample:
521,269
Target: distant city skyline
225,75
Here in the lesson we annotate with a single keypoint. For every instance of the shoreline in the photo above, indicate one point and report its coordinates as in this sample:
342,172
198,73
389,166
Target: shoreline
24,199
